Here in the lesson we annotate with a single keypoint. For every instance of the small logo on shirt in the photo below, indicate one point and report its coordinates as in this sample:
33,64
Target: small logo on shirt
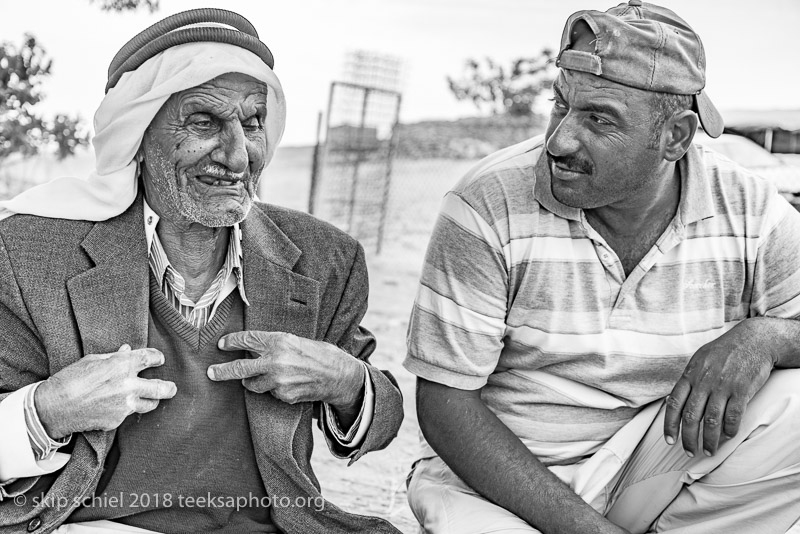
698,286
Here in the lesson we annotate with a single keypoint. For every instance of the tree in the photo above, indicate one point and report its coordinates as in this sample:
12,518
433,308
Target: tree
22,70
22,130
514,91
126,5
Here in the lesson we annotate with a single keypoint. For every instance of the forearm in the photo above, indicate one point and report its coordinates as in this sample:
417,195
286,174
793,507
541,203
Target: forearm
347,413
350,389
780,337
480,449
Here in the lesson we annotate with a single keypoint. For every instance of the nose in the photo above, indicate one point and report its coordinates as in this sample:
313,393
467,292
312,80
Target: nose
563,138
232,148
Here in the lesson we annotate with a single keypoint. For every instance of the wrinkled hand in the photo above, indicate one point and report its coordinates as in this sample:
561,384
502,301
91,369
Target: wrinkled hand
99,391
716,387
292,368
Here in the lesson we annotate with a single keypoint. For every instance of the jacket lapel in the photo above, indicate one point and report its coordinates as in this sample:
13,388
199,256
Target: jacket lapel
110,301
280,301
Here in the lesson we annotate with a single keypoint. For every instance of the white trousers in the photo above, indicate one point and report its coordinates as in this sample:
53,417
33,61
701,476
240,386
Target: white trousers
750,486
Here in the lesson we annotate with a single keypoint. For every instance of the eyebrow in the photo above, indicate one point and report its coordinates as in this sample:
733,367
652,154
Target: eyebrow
592,106
193,106
196,105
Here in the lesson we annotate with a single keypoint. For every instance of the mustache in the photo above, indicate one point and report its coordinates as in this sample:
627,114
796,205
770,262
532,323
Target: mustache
572,163
218,171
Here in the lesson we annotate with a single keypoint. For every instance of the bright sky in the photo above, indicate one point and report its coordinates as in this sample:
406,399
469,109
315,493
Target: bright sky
750,45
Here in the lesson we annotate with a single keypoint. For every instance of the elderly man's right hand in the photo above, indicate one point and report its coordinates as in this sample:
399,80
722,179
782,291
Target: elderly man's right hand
99,391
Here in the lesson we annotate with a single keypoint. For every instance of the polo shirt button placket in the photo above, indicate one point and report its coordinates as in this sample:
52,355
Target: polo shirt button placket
609,264
34,524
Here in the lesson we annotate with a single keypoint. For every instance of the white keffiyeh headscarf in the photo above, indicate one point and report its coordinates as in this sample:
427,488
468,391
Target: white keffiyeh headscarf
124,115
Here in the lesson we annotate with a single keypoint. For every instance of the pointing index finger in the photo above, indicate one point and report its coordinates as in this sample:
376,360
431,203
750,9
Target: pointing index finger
256,341
236,370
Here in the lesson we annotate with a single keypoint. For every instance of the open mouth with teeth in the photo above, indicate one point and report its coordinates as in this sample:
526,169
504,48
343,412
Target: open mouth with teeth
215,181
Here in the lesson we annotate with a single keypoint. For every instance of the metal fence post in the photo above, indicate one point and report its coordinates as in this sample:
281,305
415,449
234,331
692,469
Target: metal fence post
312,192
388,181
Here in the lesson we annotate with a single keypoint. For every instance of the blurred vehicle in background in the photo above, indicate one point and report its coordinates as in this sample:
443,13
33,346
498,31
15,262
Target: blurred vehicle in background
747,153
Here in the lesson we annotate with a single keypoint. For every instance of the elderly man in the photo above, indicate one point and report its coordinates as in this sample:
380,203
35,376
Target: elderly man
164,351
575,280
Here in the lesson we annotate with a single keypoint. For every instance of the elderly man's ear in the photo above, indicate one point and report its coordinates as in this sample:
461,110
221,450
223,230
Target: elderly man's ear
678,134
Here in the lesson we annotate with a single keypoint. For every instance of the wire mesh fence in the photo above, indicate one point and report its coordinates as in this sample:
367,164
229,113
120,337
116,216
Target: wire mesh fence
353,167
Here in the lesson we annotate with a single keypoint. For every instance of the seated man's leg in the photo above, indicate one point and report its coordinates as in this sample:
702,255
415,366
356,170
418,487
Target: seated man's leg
752,483
444,504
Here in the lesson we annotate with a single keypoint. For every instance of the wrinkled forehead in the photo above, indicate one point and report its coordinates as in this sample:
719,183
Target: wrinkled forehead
585,90
232,85
227,91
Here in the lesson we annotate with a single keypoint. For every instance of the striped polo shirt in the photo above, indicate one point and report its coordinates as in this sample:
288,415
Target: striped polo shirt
520,296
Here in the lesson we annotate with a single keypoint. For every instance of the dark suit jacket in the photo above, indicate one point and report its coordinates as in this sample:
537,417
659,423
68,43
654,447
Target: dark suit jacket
71,288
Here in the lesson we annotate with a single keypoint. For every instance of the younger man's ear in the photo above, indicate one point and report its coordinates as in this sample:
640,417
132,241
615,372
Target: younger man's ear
678,134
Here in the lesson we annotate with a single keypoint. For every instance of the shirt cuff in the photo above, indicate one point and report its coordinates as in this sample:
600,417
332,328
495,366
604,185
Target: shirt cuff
353,437
17,459
44,447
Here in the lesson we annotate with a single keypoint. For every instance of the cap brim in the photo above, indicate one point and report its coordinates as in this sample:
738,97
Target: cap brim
709,116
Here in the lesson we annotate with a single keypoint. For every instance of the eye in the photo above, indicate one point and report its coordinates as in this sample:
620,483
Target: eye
252,124
600,120
201,121
558,104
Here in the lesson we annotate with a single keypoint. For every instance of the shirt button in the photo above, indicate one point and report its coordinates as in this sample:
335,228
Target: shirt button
34,524
150,220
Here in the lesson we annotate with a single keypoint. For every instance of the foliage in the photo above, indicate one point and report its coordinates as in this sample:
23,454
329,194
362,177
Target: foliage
22,130
127,5
514,91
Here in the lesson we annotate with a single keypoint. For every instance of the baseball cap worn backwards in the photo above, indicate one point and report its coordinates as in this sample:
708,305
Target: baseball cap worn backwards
644,46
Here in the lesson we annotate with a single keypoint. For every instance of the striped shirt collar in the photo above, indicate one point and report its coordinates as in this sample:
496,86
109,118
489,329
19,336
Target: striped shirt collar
228,278
696,202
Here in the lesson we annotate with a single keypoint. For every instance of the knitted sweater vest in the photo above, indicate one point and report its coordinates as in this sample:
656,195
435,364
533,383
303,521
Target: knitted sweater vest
188,466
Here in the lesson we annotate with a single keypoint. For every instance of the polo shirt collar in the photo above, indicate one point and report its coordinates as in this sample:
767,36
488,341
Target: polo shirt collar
697,201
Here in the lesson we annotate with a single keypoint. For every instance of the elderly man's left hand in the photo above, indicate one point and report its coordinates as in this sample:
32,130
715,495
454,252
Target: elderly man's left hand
717,385
293,369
